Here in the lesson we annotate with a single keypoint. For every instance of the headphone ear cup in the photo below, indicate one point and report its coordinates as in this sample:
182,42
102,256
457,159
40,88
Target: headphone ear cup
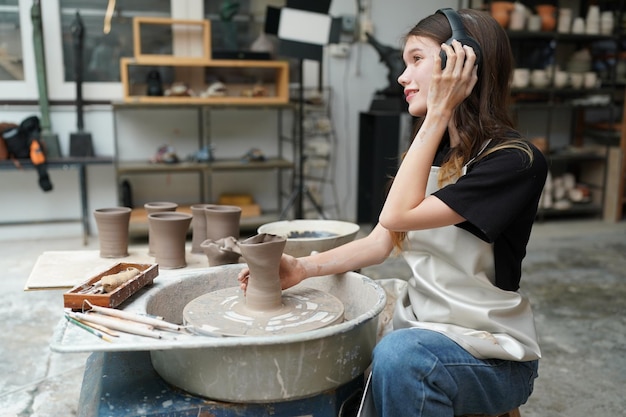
465,41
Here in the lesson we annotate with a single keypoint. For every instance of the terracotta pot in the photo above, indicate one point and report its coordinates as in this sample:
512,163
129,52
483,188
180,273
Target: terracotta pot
501,11
262,253
113,231
157,207
547,12
198,227
169,231
222,221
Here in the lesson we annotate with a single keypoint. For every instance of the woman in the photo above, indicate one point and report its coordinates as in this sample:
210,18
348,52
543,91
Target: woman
460,209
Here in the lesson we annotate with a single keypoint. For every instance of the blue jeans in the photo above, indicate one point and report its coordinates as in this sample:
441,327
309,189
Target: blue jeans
418,372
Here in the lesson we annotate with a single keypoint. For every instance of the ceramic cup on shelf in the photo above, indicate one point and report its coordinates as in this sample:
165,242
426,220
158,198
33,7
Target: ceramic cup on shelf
561,78
590,79
521,77
607,22
539,78
534,23
518,17
565,20
578,26
576,79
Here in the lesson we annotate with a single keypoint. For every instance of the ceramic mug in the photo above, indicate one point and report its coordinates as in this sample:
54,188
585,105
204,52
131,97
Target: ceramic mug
521,77
578,26
590,79
561,78
539,78
576,79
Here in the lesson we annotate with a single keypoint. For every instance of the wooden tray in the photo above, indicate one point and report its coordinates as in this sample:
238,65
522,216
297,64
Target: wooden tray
74,299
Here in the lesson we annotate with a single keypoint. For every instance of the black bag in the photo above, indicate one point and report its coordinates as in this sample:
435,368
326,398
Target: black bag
23,142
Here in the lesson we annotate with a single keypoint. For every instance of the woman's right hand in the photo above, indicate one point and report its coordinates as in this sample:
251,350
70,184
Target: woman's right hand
290,270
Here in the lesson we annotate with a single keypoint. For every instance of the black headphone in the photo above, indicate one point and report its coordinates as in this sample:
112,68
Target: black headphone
458,33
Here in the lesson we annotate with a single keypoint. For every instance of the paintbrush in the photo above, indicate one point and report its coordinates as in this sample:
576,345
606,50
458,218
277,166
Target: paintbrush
88,328
117,324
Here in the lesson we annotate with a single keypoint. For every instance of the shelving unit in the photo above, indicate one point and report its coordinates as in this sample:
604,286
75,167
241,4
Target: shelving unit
278,164
590,151
244,84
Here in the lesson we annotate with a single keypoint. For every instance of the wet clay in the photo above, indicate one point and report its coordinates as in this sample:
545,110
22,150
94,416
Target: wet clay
265,309
222,251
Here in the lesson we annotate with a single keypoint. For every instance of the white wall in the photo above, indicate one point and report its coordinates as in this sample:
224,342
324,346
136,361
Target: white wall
354,80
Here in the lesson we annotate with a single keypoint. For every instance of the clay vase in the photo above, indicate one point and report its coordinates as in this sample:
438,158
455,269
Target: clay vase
501,11
169,231
222,251
113,231
547,13
198,227
262,253
157,207
222,221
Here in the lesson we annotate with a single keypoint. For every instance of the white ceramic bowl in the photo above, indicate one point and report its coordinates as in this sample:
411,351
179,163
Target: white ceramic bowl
305,236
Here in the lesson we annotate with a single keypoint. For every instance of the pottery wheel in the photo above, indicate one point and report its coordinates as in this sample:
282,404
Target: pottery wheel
224,313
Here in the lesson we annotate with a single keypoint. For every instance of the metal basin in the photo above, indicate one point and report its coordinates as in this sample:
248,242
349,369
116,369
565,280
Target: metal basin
269,368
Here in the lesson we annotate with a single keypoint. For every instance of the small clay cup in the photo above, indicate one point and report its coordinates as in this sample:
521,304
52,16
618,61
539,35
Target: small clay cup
112,226
169,230
222,221
157,207
198,227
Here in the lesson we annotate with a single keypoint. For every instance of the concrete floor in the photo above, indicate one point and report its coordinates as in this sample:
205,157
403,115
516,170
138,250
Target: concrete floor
575,275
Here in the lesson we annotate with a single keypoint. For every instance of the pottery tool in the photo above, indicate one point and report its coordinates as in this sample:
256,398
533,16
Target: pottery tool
152,321
100,328
111,282
88,328
117,324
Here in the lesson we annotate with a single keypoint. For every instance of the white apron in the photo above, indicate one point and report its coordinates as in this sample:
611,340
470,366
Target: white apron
453,282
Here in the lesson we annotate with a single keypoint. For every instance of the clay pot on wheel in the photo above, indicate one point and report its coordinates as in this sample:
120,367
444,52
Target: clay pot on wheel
262,254
113,231
169,230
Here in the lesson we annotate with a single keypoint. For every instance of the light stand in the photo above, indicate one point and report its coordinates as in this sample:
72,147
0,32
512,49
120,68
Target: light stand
302,28
301,190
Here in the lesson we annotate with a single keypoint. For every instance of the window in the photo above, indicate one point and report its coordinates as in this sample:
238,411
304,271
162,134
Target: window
11,56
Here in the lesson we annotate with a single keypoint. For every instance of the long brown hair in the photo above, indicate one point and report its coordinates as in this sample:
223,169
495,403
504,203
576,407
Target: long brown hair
484,114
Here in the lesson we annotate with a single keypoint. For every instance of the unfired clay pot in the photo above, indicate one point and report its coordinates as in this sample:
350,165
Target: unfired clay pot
113,231
169,231
262,254
198,227
223,251
222,221
157,207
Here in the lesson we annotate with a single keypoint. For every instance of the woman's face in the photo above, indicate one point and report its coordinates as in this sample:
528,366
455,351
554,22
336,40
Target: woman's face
418,55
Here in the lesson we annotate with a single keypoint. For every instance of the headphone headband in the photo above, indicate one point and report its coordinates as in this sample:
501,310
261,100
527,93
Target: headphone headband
458,33
458,30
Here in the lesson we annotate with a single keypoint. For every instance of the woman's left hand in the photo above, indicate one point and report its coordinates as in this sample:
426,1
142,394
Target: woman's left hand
453,84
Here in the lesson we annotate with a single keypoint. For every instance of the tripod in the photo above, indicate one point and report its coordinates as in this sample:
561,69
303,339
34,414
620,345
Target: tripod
301,190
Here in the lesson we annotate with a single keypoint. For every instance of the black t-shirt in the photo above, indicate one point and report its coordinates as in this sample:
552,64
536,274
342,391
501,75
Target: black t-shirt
498,197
